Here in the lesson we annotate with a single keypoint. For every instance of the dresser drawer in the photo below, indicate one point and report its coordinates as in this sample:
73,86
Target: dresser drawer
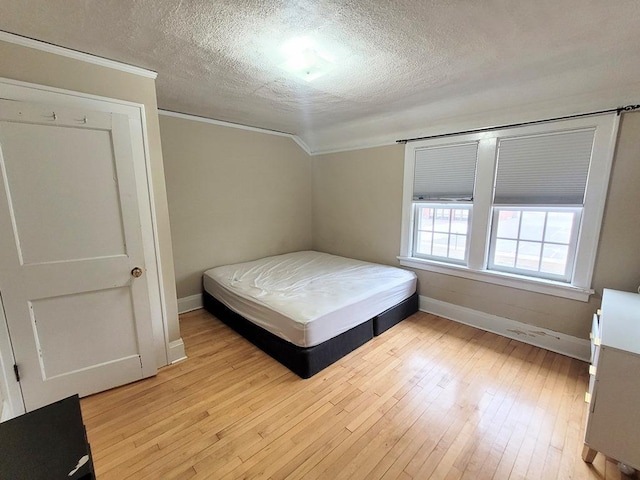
592,385
595,338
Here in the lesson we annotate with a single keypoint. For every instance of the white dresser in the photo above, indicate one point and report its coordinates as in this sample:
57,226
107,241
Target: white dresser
613,419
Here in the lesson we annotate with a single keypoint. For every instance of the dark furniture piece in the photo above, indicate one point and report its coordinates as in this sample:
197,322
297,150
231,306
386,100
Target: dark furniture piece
397,313
306,362
48,443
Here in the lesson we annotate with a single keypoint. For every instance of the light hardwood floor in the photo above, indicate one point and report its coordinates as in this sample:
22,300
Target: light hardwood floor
429,398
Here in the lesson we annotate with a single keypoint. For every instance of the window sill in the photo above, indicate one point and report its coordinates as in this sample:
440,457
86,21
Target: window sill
547,287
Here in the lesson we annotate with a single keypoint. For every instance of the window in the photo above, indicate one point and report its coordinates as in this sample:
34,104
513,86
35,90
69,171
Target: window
442,201
520,207
536,241
441,231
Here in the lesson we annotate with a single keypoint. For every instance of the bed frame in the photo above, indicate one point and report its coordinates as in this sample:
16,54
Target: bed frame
307,361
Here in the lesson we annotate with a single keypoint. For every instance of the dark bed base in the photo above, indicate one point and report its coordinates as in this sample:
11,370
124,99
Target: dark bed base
306,362
394,315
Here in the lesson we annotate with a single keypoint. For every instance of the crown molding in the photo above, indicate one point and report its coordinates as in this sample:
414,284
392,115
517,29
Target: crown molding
75,54
363,146
196,118
302,145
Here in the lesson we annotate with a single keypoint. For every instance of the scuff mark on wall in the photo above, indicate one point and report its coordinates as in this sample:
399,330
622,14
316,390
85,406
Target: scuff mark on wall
544,334
532,333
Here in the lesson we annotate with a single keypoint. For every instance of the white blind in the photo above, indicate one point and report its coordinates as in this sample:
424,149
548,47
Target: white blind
544,169
445,173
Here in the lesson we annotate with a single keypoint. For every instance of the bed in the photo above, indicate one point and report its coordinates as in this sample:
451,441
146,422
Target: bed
308,309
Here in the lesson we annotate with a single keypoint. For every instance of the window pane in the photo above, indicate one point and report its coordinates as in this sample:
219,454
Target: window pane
424,243
441,231
425,218
554,259
457,246
440,244
460,221
505,253
542,244
559,226
532,225
508,222
442,220
528,256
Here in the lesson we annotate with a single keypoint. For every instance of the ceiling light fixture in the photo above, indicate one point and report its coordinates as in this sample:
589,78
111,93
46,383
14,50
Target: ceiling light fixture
306,60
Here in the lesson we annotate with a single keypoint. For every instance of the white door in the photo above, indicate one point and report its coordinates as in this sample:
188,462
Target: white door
70,237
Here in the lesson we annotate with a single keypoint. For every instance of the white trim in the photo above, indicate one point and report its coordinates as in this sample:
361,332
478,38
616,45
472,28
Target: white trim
75,54
480,232
176,351
547,287
190,303
406,218
13,404
302,145
604,147
5,413
39,94
152,257
363,146
540,337
211,121
222,123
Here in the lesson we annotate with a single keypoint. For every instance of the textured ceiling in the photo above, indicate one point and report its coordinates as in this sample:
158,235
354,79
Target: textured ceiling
403,68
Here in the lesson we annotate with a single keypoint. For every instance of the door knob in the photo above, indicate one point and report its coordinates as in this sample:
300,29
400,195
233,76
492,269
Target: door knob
136,272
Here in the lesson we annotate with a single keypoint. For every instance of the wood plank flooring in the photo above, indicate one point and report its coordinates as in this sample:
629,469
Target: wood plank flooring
428,399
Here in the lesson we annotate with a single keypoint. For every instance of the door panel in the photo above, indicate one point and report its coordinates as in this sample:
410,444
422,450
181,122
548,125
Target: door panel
91,316
45,190
79,322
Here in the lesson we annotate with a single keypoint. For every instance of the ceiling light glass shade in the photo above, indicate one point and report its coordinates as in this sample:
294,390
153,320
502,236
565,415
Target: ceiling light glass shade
305,61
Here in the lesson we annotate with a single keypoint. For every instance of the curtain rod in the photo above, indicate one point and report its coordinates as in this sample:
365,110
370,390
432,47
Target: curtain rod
618,110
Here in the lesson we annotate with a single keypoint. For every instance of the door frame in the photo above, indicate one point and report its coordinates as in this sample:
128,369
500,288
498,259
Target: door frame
10,89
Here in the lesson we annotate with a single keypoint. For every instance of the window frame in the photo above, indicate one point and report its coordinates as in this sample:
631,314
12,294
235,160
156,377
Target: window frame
572,245
442,206
479,235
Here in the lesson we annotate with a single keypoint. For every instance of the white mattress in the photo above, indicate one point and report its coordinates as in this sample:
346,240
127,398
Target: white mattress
309,297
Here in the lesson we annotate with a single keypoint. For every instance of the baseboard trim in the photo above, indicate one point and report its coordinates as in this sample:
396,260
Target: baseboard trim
540,337
190,303
176,351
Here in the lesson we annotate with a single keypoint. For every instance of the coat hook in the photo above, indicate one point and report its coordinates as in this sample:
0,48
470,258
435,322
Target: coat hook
55,116
84,120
